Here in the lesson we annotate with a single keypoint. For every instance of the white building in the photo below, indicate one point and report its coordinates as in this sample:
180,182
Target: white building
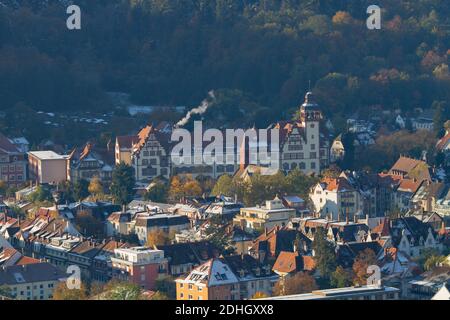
336,198
274,213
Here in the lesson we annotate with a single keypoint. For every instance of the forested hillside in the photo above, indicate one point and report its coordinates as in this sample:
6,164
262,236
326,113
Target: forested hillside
172,52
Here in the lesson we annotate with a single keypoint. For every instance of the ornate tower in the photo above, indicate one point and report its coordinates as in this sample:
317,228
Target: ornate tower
311,116
310,111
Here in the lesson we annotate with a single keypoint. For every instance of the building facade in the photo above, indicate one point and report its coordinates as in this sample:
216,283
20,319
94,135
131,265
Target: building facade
47,167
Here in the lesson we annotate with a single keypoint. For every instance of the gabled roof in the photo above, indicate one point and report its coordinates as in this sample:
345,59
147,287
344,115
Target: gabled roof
212,273
245,266
126,142
412,227
412,168
409,185
162,137
288,262
339,184
6,145
277,240
192,252
383,229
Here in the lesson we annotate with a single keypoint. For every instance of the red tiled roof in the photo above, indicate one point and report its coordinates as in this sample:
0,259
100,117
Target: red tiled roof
286,262
383,229
26,260
309,263
410,185
406,166
337,184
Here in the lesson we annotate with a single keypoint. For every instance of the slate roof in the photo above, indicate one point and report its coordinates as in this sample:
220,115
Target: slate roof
32,273
192,252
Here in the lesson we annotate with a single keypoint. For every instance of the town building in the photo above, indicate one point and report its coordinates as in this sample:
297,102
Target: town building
336,199
139,265
274,213
184,257
424,121
31,281
337,151
85,164
303,144
212,280
124,149
13,163
169,223
47,167
237,277
151,154
350,293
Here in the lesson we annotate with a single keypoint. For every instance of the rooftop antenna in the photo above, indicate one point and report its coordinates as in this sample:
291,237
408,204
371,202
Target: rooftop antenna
309,85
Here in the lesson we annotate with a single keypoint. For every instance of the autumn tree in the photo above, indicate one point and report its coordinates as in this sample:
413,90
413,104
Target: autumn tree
223,186
184,186
260,295
125,291
331,172
159,237
363,260
301,282
96,188
341,278
62,292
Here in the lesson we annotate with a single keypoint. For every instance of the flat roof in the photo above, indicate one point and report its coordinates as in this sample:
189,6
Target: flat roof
47,155
337,293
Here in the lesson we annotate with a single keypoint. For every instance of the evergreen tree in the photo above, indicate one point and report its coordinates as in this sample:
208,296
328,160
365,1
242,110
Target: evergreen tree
324,254
122,184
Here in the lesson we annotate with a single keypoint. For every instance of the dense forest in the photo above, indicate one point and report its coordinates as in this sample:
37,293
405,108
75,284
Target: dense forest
263,54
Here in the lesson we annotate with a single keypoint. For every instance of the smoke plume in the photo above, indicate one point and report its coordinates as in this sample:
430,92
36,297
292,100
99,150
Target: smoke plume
201,109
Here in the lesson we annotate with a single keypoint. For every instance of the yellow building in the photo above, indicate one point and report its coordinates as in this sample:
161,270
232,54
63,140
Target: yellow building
212,280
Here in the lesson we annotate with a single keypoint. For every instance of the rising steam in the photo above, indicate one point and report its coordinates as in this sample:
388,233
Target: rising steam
201,109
